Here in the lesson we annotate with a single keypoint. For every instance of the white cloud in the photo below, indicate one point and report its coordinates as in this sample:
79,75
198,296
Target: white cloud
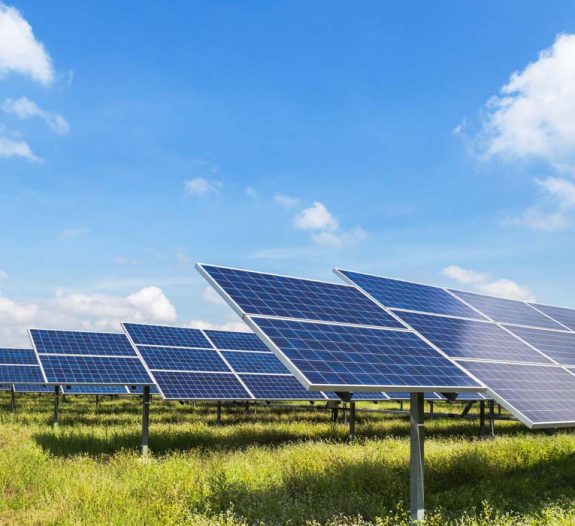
73,233
251,192
286,200
324,227
3,275
82,311
486,284
24,108
338,239
537,219
316,217
201,187
237,326
562,189
211,296
17,148
534,115
20,52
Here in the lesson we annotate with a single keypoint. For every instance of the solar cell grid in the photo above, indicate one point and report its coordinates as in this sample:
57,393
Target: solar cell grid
21,374
472,339
182,359
100,370
94,389
236,341
166,336
402,396
563,315
536,393
559,346
356,358
17,357
411,296
266,294
201,386
507,311
33,388
75,342
277,387
251,362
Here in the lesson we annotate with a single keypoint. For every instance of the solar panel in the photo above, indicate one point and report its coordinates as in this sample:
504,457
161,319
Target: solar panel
19,366
33,388
559,346
507,311
236,341
365,396
166,336
536,394
73,357
471,397
200,386
5,387
350,358
277,387
335,340
251,362
410,296
270,295
401,396
563,315
94,389
180,359
138,389
472,339
525,381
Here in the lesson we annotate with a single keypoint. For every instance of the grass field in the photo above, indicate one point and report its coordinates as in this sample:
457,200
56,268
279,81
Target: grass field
279,466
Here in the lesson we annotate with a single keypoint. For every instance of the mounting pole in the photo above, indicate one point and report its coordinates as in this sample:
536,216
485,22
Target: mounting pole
482,419
145,419
219,413
401,405
56,405
431,407
97,401
352,420
466,409
417,506
12,400
491,418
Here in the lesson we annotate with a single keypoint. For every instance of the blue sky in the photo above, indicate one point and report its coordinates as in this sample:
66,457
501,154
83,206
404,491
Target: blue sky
289,137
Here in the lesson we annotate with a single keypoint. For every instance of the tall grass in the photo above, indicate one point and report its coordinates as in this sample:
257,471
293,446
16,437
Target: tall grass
276,467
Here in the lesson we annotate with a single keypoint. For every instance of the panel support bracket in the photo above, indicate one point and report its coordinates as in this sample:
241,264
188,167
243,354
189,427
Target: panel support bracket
416,460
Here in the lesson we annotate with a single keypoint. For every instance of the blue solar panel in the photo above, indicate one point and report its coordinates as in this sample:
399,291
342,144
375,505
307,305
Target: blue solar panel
236,341
403,396
71,342
94,389
182,359
536,393
277,387
470,397
139,389
559,346
411,296
101,370
21,374
355,358
472,339
18,357
251,362
201,386
33,388
507,311
365,396
270,295
5,387
166,336
563,315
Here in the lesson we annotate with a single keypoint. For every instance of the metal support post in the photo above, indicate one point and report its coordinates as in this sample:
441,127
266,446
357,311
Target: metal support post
145,420
431,407
491,418
417,507
467,408
12,400
352,420
482,419
97,401
56,404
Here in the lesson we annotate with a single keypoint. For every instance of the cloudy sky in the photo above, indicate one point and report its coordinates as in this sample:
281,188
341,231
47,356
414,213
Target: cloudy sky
432,141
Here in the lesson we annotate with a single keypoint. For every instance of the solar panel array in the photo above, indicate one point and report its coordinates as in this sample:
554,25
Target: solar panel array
19,366
88,358
517,350
332,337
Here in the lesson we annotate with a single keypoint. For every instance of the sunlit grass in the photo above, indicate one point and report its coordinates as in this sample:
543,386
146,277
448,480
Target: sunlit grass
270,467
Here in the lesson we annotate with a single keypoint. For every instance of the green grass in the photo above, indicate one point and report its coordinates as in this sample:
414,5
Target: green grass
279,466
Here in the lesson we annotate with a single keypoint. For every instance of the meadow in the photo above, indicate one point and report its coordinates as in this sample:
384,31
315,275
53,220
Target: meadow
272,466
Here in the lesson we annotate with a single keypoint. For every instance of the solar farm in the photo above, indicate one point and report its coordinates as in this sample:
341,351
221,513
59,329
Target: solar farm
366,400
